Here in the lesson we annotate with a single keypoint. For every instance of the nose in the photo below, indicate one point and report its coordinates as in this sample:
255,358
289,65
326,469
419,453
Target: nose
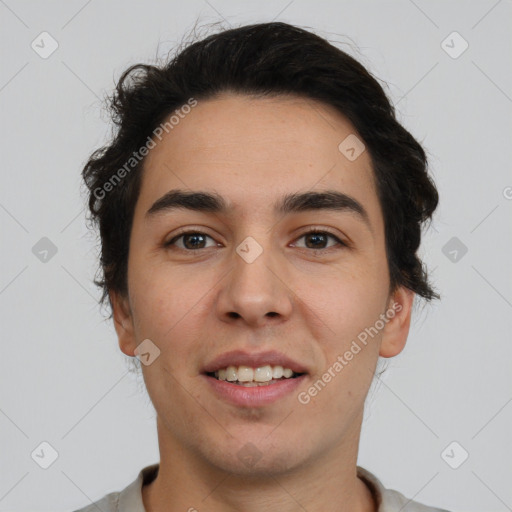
255,292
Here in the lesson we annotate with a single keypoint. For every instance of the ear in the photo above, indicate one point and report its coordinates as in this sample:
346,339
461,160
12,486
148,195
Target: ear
396,330
123,323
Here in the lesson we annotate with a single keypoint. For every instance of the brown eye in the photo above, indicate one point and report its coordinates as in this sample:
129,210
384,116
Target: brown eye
191,240
318,239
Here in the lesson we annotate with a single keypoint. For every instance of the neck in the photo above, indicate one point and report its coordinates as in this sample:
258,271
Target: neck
187,482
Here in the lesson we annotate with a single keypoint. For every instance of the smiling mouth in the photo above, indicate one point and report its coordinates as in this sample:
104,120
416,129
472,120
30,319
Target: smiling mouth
252,377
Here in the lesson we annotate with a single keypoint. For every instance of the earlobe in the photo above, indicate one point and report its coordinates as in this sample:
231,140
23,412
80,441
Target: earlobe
394,336
123,323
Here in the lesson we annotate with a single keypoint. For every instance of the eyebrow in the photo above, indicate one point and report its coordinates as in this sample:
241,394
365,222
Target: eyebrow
209,202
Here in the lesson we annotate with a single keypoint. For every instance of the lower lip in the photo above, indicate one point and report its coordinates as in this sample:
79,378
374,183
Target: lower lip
254,396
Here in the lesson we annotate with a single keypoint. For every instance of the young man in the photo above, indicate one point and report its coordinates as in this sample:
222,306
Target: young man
260,210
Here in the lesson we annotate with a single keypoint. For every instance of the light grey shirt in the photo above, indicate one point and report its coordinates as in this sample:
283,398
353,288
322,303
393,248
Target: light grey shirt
130,498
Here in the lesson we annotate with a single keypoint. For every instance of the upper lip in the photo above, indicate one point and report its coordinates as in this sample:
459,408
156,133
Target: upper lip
254,360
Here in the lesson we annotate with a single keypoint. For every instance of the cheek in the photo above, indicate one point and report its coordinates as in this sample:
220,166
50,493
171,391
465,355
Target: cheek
346,301
161,297
346,308
168,309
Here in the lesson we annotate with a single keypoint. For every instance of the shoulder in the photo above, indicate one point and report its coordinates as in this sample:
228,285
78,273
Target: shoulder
127,500
389,500
394,501
108,503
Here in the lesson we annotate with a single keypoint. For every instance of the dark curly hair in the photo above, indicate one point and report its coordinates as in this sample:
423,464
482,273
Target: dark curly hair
266,59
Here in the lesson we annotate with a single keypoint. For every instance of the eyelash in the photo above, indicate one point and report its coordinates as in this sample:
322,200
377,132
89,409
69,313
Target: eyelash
340,243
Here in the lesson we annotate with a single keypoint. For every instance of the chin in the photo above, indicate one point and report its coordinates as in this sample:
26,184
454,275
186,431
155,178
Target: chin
256,460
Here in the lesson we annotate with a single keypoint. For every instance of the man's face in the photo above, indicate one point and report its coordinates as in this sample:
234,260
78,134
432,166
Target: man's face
252,280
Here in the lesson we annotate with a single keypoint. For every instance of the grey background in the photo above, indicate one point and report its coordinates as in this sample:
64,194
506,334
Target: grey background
63,379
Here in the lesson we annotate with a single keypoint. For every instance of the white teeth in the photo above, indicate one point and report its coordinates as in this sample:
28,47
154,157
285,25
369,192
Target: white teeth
231,374
263,374
277,372
246,374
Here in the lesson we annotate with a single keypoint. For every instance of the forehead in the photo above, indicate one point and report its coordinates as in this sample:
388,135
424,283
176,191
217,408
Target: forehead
253,150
